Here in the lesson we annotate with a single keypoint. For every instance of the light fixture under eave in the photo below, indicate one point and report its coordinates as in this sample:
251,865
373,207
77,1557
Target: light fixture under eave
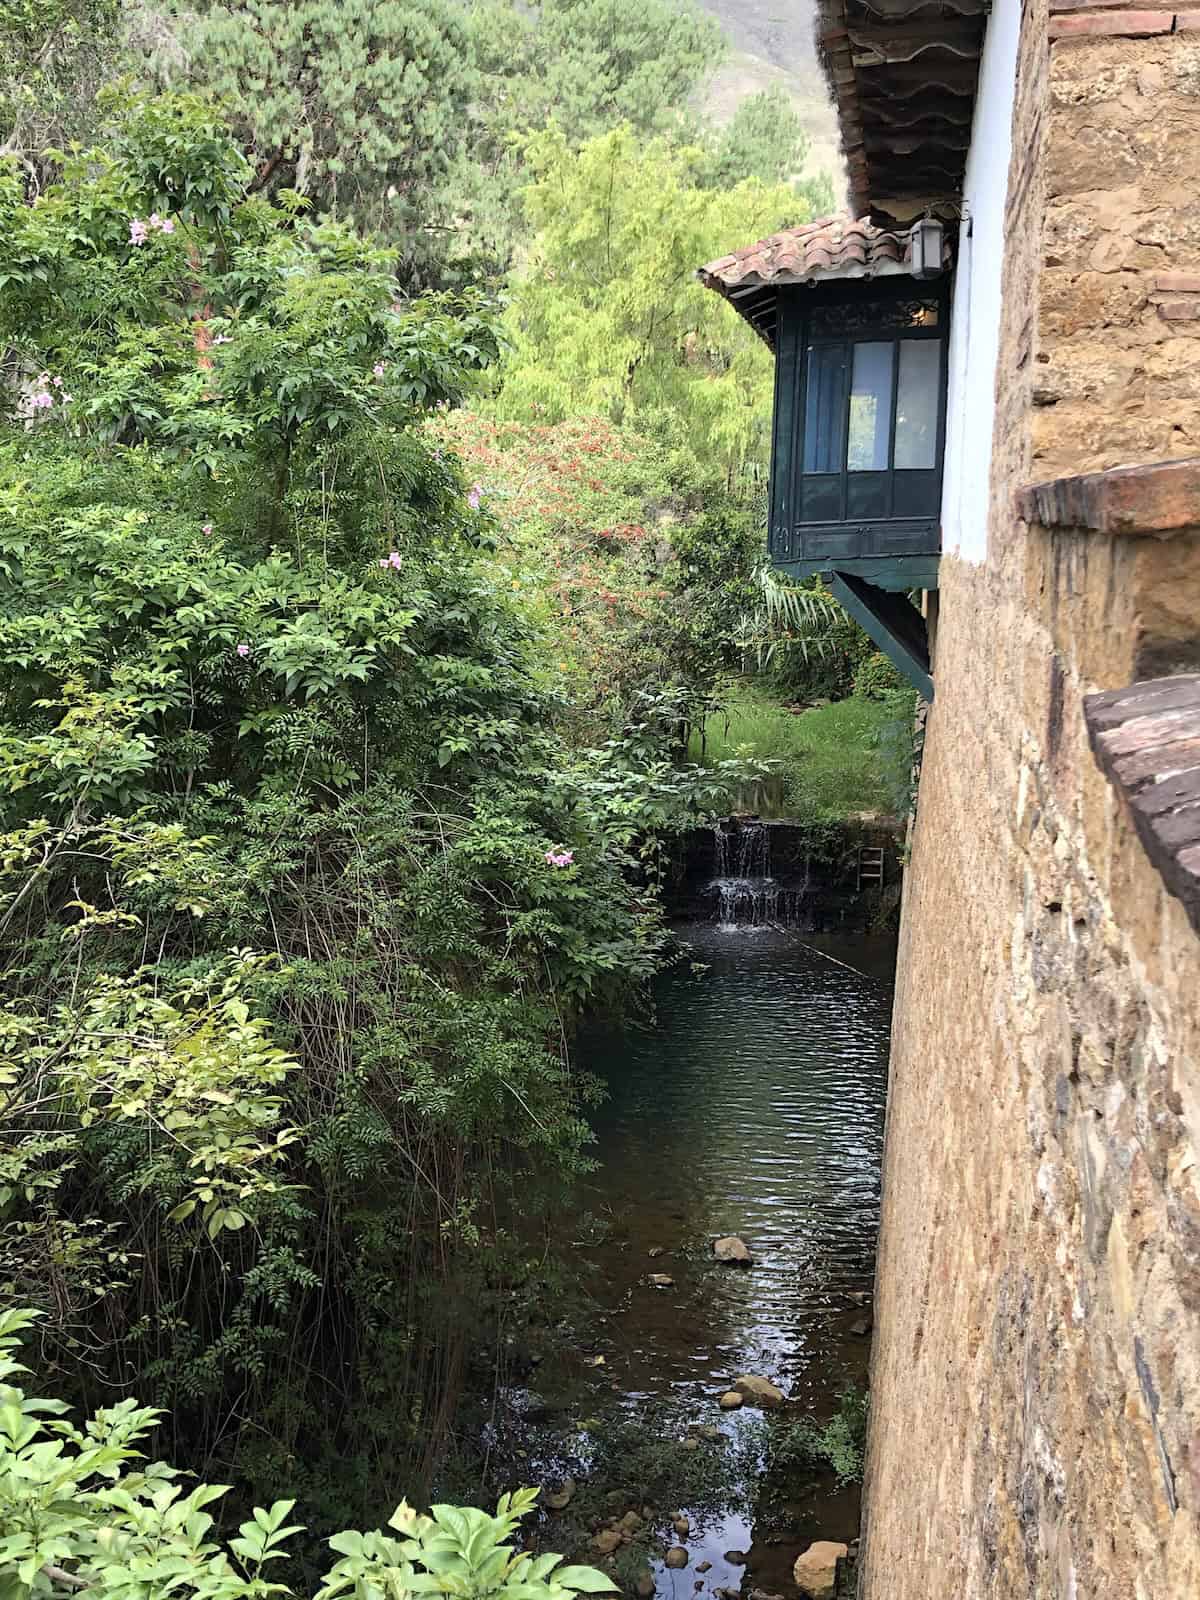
926,248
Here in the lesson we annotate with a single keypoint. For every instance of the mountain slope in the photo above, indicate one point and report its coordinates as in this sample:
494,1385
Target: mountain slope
772,41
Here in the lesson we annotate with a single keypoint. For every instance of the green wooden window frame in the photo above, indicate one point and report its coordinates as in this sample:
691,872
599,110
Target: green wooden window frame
848,514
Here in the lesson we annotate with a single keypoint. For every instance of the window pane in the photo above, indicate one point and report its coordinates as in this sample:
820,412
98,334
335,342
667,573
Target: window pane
917,403
870,408
824,403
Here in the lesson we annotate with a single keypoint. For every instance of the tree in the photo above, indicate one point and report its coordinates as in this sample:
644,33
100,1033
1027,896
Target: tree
264,691
54,56
588,65
608,315
361,105
765,139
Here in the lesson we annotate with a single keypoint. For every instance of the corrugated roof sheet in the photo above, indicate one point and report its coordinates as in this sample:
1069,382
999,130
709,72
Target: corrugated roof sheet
815,252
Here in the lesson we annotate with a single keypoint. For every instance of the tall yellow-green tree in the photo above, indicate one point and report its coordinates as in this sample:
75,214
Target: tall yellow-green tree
607,315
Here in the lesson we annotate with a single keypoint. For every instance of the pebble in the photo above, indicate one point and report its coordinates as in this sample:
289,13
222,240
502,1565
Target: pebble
732,1401
677,1556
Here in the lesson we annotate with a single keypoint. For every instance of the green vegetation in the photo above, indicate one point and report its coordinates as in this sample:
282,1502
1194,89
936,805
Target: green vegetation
608,315
835,759
838,1445
308,862
77,1513
380,504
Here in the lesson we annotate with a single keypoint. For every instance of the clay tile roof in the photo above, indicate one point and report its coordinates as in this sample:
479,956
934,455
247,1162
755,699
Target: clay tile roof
815,252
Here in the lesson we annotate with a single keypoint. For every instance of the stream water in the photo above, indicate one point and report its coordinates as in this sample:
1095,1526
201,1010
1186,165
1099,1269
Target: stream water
752,1103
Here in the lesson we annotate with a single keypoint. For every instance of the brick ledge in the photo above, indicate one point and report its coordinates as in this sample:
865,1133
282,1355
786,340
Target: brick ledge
1154,500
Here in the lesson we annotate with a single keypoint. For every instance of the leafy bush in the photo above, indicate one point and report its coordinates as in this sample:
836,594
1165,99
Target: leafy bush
877,678
265,691
76,1513
631,558
837,1445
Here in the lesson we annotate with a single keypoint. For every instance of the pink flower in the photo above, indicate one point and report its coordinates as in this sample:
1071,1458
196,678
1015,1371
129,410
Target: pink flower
44,379
560,858
167,226
155,220
137,231
475,496
57,383
243,650
378,369
42,400
207,528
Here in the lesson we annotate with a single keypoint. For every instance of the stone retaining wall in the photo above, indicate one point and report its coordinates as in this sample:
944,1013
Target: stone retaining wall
1036,1373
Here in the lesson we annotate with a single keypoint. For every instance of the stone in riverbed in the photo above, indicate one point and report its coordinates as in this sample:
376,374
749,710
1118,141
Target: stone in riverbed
733,1251
731,1401
711,1432
690,1444
815,1571
559,1498
757,1392
644,1587
677,1556
736,1558
704,1566
862,1326
681,1525
630,1522
661,1280
607,1541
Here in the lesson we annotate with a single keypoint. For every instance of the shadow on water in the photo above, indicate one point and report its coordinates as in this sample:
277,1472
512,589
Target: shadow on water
751,1103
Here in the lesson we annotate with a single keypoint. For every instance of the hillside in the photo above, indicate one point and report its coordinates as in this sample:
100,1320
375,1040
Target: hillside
772,42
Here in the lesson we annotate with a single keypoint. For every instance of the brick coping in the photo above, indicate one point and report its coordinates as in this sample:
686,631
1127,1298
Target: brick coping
1155,500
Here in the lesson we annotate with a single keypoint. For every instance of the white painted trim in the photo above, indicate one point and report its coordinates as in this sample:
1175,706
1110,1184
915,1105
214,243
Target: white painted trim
978,290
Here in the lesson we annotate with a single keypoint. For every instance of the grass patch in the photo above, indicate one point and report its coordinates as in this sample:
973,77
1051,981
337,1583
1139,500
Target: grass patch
835,759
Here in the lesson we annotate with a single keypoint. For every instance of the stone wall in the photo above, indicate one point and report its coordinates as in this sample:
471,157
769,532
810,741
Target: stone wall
1036,1373
1118,375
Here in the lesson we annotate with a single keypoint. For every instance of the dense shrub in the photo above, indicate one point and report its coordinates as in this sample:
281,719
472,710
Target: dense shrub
301,880
77,1513
877,678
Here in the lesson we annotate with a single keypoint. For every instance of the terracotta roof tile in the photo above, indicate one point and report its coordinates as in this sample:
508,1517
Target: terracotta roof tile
815,252
834,247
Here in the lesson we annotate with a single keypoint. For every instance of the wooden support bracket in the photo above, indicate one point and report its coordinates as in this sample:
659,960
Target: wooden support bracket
894,623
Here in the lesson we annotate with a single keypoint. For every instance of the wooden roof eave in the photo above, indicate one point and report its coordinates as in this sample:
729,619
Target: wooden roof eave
902,64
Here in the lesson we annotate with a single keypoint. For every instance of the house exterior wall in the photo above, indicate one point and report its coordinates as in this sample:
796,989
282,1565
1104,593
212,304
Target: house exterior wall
1036,1372
975,323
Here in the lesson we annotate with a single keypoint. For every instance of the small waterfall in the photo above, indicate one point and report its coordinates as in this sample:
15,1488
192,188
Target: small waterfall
744,891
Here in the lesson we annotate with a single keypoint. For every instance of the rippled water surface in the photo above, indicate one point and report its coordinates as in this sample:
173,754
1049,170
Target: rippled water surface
751,1103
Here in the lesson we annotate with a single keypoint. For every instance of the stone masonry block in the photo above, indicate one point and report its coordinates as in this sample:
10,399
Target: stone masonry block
1177,283
1180,310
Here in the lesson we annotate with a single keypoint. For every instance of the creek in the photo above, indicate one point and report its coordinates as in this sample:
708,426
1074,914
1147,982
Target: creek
750,1103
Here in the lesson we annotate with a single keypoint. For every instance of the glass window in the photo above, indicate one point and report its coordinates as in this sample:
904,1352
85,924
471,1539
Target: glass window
870,408
824,402
917,403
